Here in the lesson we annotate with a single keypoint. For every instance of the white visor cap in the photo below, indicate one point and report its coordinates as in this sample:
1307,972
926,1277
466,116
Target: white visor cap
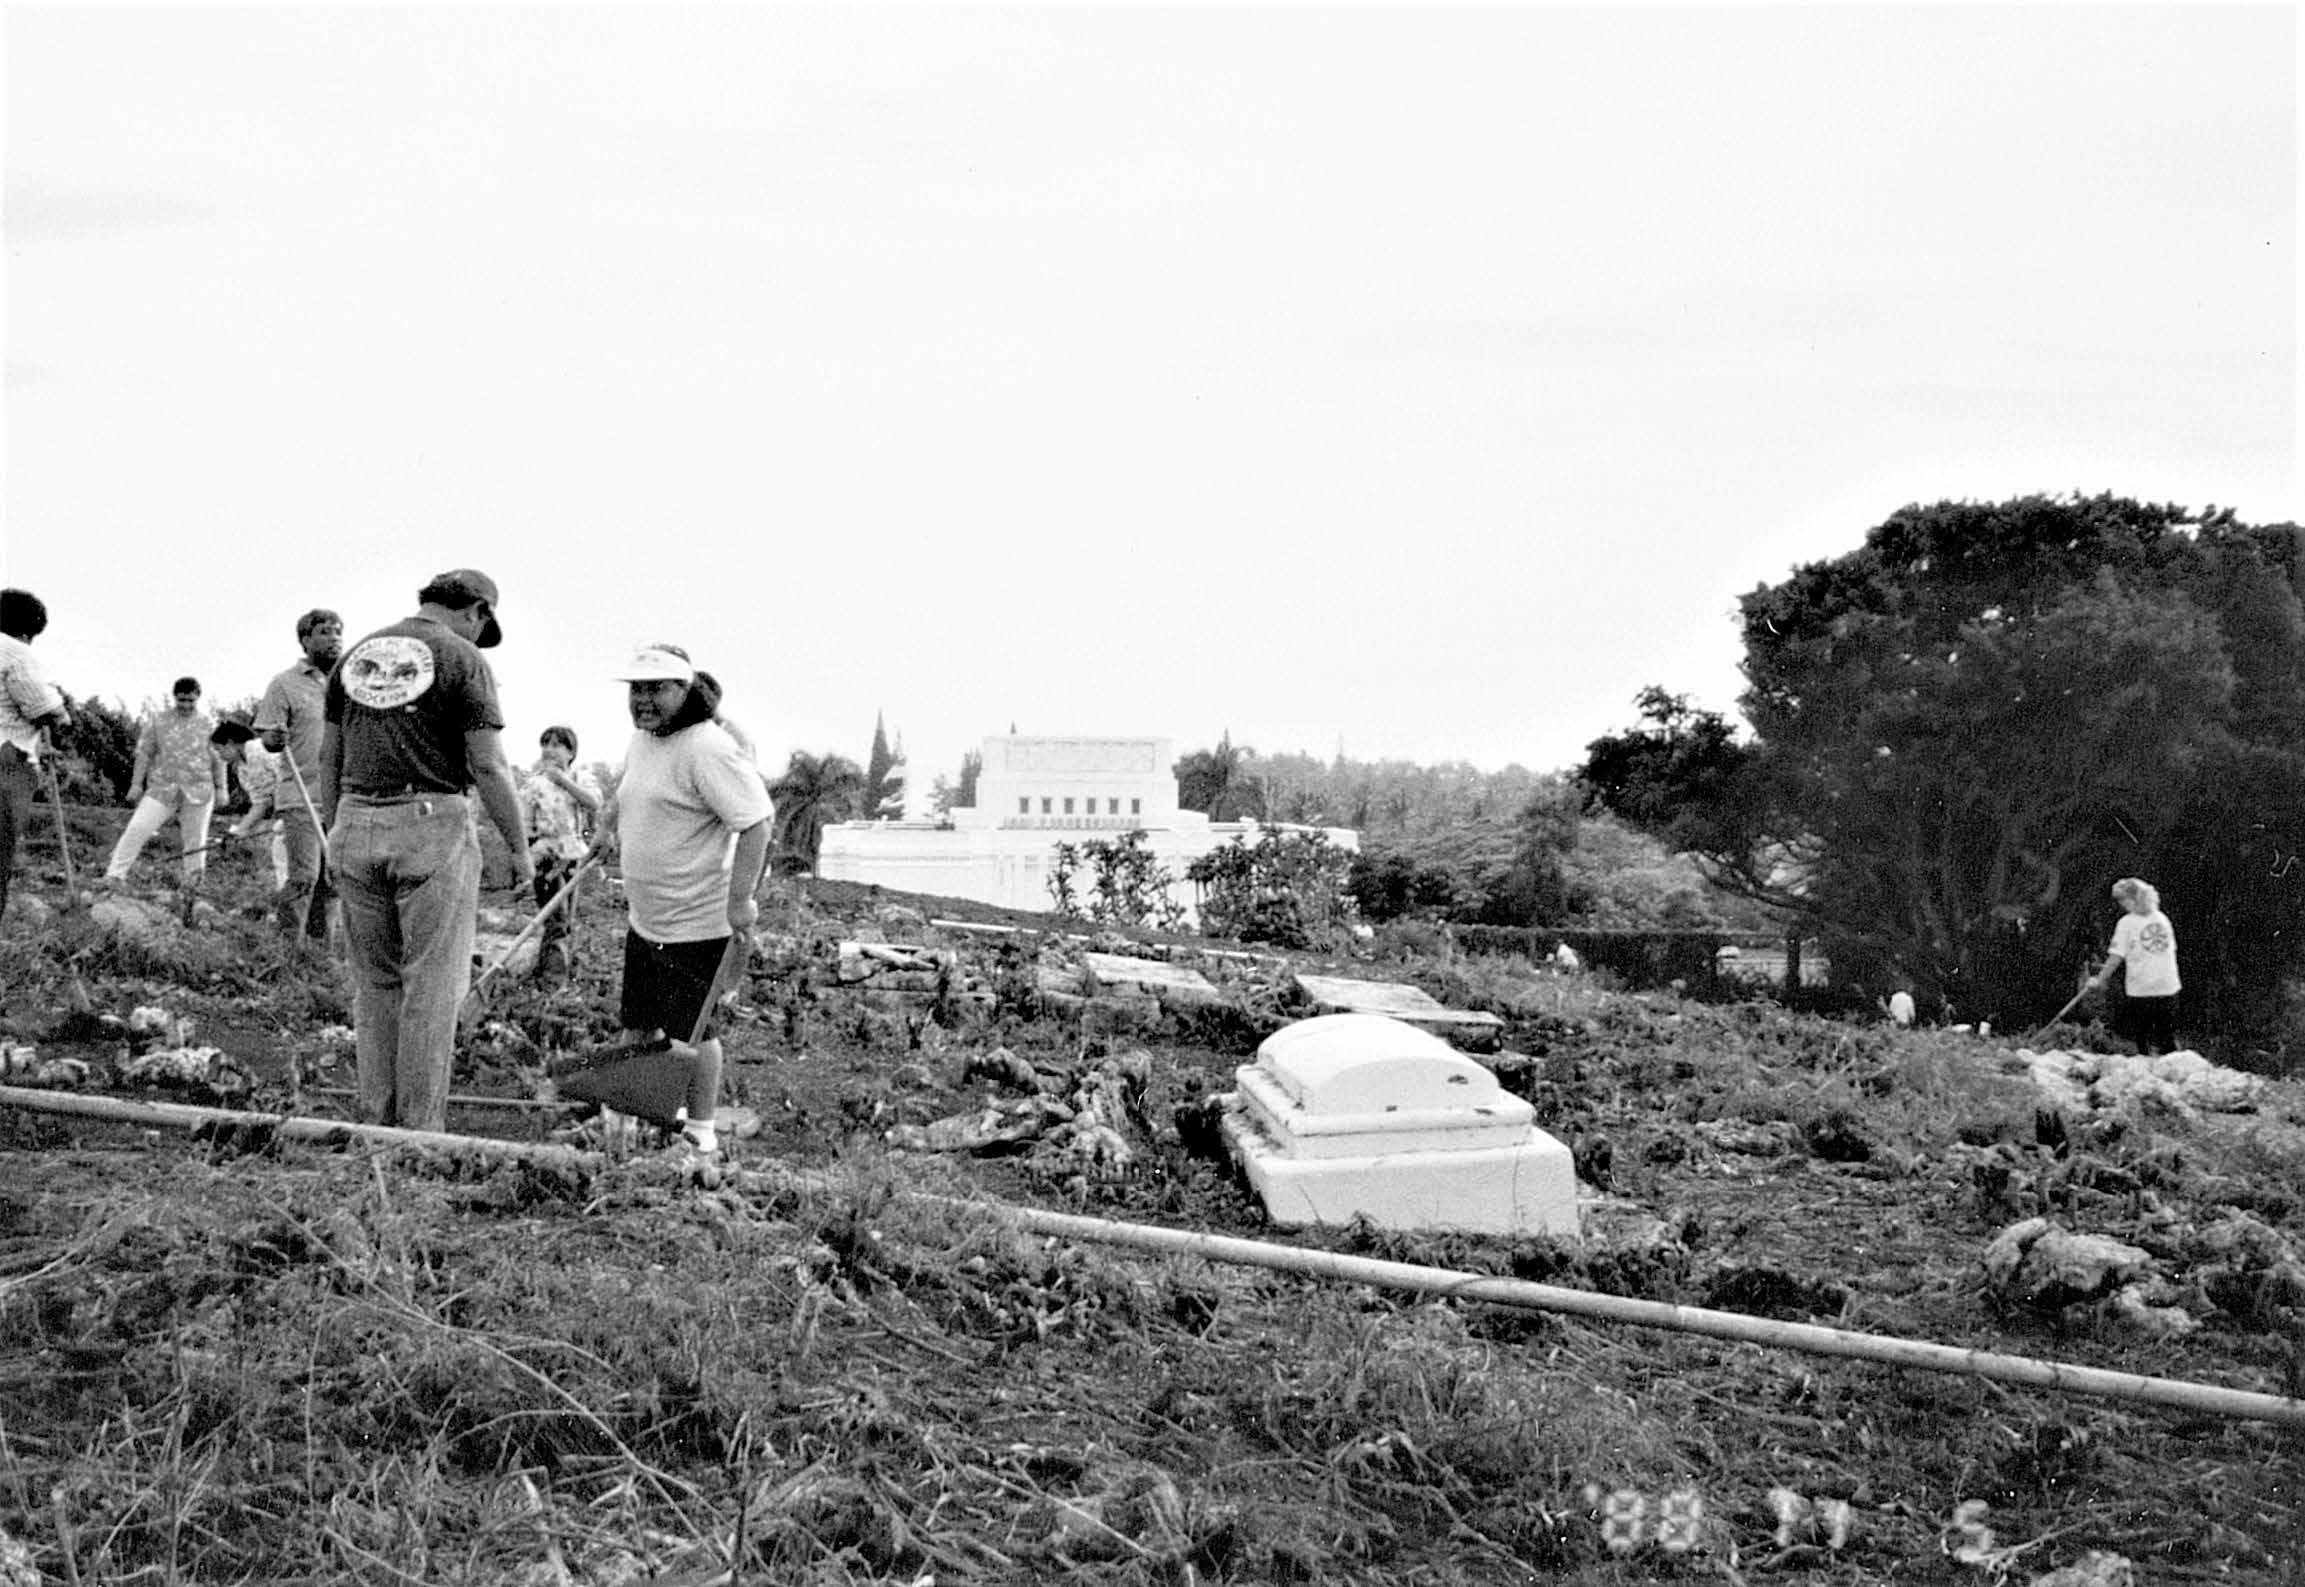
655,664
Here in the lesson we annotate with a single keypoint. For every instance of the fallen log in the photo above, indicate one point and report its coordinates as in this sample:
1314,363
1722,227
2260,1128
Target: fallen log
2063,1377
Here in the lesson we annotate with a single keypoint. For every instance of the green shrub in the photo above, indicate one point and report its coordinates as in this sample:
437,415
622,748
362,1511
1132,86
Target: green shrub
1288,889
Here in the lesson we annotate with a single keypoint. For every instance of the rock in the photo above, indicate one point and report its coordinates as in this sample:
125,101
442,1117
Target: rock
2093,1569
2134,1314
2180,1082
2183,1081
2041,1265
16,1567
1749,1136
132,917
1003,1065
899,920
991,1128
2062,1078
2237,1235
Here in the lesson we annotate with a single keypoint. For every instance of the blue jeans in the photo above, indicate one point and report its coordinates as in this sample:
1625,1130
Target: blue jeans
408,874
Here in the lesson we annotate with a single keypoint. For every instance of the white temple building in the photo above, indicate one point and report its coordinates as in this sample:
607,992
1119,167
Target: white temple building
1032,794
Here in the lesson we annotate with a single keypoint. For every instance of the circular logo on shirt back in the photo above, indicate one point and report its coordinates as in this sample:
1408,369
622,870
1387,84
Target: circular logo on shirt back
387,671
2154,938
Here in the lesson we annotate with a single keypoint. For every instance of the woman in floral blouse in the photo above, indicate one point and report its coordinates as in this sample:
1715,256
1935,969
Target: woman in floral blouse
178,773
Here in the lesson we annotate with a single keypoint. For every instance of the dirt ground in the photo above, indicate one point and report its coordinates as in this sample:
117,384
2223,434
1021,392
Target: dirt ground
232,1357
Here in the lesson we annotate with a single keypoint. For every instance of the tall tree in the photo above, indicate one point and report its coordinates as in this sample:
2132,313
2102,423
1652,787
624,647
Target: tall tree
1969,726
1676,777
1220,781
944,795
884,775
814,792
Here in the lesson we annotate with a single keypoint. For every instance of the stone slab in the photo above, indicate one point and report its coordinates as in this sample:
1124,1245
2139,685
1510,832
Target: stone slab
1335,994
1172,981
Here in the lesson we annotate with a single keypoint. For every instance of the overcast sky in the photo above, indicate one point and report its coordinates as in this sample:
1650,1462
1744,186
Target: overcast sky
1422,381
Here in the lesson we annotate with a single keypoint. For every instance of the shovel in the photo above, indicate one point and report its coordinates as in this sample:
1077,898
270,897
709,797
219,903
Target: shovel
652,1084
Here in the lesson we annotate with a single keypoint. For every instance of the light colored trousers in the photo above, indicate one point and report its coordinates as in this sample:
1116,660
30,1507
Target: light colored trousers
304,890
408,874
151,814
275,846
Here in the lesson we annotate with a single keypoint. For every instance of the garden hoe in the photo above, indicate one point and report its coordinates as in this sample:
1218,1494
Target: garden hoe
2061,1013
474,999
650,1082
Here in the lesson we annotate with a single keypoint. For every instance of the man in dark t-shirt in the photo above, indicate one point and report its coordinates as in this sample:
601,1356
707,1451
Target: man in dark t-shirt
412,734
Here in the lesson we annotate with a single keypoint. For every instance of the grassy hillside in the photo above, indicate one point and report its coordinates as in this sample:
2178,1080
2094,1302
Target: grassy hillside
229,1356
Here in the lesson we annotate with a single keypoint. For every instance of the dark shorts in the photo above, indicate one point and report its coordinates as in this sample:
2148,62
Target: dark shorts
666,983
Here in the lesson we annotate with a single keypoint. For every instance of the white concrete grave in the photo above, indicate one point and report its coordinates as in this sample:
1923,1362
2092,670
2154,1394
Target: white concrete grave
1336,994
1348,1116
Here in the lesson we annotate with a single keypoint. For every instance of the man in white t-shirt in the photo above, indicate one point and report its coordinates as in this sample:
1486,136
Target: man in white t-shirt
691,823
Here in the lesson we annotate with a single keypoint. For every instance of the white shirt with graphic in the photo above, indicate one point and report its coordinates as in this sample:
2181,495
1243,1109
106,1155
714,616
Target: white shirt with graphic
2147,945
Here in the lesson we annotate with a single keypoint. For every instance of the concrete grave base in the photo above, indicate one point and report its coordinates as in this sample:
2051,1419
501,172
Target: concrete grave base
1529,1189
1348,1116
